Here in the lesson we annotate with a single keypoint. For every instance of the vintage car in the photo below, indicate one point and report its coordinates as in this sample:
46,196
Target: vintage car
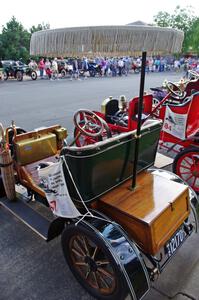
17,69
118,231
187,85
12,70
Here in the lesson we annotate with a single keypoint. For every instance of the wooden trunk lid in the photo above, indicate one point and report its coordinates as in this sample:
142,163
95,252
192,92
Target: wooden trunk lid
151,213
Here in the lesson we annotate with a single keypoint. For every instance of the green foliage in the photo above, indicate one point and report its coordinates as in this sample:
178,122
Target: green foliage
193,37
39,27
182,18
15,40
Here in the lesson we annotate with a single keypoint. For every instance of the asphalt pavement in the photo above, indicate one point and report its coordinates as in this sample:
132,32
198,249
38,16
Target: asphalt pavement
30,268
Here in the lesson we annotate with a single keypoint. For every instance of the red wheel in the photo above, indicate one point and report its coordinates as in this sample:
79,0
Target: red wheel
186,165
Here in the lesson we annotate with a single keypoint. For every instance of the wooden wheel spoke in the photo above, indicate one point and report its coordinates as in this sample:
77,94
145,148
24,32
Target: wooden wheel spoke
81,264
103,280
96,280
102,263
85,246
185,167
189,177
95,252
77,253
185,173
106,273
77,246
87,274
185,159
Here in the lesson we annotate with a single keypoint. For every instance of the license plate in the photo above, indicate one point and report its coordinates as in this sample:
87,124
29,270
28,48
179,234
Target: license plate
175,242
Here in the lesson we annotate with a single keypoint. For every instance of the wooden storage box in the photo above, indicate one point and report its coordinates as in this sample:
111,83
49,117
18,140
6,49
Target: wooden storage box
151,213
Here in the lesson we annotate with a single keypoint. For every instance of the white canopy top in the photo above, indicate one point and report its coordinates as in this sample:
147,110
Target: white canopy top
105,40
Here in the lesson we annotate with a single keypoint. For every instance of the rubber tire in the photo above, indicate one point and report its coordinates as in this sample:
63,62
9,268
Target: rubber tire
19,76
63,73
121,289
179,155
33,77
5,76
92,73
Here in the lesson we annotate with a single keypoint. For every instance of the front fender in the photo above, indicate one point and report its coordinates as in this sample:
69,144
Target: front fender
193,198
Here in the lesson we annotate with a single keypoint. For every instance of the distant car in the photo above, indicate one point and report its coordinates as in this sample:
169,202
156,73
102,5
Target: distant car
17,69
12,69
65,67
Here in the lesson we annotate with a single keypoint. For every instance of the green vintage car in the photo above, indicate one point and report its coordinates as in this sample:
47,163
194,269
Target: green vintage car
16,70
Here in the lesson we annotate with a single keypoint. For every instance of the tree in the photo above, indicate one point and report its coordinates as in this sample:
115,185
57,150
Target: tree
15,41
182,18
39,27
193,37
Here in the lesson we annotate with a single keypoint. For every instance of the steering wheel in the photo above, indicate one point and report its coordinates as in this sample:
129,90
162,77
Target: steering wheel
93,125
175,90
194,75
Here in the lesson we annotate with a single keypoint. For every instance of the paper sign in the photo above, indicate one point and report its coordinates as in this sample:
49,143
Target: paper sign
175,124
53,183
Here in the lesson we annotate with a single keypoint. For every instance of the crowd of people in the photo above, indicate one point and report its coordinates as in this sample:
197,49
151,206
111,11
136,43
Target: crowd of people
102,66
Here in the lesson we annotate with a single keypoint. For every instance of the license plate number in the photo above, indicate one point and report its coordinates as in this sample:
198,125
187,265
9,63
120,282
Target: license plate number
175,242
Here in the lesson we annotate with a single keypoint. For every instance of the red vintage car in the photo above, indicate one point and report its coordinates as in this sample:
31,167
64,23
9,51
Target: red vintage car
179,137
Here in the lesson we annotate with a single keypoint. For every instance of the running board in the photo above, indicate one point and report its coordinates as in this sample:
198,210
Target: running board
27,215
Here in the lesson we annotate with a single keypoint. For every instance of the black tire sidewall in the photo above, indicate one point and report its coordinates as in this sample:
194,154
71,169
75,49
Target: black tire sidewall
121,289
21,77
5,75
33,75
63,73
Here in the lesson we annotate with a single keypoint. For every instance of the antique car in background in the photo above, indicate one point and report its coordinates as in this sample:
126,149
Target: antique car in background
187,85
12,70
65,67
17,69
121,220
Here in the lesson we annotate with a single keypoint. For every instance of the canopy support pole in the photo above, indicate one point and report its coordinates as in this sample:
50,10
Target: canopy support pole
139,122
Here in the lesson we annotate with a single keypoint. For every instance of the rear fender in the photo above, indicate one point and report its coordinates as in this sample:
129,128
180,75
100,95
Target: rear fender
124,251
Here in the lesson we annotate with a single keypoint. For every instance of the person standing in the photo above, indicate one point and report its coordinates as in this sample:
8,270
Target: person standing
41,67
48,68
55,69
120,66
76,69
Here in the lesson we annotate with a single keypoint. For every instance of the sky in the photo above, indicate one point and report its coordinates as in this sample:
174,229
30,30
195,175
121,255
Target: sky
71,13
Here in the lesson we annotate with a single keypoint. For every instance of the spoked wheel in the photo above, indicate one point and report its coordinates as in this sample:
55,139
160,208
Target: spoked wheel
63,73
186,165
5,75
19,76
33,75
92,263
